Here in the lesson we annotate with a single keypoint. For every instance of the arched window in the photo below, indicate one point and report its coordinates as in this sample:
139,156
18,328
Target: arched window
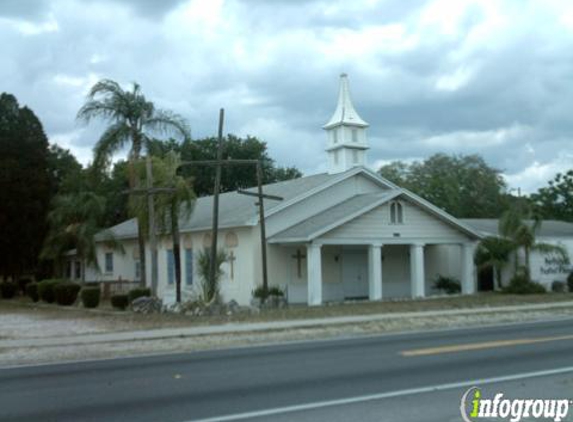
396,213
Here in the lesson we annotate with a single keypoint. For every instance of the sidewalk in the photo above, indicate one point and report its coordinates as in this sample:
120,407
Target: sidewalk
237,328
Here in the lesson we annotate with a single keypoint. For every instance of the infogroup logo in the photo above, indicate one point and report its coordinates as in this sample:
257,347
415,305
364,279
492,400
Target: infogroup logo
474,407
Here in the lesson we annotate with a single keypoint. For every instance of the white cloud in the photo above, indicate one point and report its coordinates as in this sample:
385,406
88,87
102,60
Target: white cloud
537,174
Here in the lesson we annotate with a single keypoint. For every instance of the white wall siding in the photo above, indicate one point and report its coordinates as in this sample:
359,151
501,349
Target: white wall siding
418,225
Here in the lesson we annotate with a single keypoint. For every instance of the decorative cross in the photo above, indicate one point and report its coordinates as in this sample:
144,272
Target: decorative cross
299,257
231,258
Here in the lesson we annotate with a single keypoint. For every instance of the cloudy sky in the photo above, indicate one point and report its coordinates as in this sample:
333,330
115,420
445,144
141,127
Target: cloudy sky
454,76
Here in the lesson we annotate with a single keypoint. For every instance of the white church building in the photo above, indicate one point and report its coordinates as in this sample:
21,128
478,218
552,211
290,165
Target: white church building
345,234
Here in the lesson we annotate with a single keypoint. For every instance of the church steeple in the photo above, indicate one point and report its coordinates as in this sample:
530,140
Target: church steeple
346,131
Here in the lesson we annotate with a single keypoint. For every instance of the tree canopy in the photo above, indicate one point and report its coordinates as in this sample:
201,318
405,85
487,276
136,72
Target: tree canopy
233,177
24,186
555,201
463,185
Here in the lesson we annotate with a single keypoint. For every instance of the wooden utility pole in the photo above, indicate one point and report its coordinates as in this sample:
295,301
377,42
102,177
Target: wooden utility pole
215,229
151,218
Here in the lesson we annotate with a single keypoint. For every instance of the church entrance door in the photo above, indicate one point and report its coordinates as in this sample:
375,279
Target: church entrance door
355,274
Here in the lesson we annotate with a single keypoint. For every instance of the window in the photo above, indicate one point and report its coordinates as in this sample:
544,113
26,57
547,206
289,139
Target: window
189,267
396,213
335,136
109,262
170,267
137,270
354,135
336,157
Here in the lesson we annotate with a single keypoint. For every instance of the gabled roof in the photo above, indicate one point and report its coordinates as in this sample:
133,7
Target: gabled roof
339,214
235,210
345,114
549,228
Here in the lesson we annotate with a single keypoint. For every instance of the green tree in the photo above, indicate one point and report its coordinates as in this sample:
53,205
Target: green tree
520,226
464,186
170,206
74,221
64,169
233,177
133,119
555,201
494,252
24,187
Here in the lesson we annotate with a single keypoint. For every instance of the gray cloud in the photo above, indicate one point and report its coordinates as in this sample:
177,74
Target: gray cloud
429,76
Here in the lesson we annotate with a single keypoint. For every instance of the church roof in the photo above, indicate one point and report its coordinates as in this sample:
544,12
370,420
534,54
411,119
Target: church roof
345,114
235,210
549,228
325,220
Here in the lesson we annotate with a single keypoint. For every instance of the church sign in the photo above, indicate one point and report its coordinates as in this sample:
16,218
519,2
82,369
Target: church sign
554,266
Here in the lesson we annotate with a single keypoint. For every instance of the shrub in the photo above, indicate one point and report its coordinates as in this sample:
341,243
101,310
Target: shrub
261,293
120,301
570,281
32,291
8,289
46,289
521,285
138,292
22,283
90,297
66,293
558,286
276,291
210,287
447,284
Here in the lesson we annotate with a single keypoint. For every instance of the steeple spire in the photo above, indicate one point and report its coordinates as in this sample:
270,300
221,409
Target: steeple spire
346,131
345,114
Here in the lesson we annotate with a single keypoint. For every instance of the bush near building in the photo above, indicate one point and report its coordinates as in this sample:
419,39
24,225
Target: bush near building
138,292
120,301
32,291
46,289
66,293
90,296
521,285
8,289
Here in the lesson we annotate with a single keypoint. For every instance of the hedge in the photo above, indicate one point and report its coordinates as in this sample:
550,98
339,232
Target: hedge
120,301
520,285
90,296
32,291
22,283
46,289
66,293
138,292
8,289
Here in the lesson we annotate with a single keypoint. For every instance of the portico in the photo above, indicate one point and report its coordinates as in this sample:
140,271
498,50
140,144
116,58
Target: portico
404,269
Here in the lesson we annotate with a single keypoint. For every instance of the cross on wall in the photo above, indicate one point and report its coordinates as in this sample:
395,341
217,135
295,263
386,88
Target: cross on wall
232,258
299,256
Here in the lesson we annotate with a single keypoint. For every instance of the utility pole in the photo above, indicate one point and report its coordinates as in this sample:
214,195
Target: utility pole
215,229
151,218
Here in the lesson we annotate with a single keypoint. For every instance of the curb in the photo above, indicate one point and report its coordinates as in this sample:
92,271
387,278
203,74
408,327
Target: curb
241,328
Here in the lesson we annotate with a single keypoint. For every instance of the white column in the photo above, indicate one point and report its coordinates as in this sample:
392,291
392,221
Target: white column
467,265
417,278
314,274
375,271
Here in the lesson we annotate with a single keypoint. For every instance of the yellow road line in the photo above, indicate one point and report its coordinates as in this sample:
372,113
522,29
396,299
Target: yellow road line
479,346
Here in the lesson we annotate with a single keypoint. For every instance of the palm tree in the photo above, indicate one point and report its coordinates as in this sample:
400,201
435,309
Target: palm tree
494,252
173,206
74,223
522,232
132,118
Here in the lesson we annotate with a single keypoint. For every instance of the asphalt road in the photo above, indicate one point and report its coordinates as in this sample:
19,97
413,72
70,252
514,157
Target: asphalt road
194,386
